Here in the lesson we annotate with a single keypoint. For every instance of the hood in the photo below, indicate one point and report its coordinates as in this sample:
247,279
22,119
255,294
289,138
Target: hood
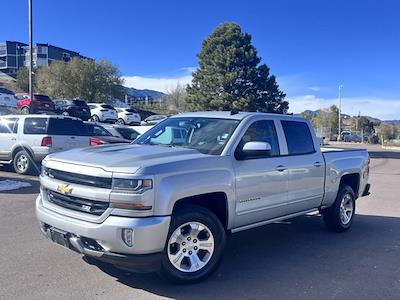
124,158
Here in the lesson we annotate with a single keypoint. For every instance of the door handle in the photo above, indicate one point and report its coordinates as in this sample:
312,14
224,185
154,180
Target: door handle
280,168
13,139
72,137
317,164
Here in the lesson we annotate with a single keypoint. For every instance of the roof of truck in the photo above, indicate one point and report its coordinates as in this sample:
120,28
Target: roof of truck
229,115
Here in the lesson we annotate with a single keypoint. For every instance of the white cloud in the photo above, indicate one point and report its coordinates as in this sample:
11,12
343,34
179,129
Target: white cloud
162,84
315,88
384,109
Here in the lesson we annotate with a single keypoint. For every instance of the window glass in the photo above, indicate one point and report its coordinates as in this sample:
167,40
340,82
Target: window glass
206,135
67,127
298,137
36,125
107,106
8,125
127,133
96,130
42,98
262,131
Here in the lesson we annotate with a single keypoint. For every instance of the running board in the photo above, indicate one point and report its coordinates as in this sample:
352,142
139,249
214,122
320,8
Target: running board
234,230
5,162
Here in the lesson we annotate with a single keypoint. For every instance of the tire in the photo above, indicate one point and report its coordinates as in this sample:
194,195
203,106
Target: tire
181,246
120,121
339,217
95,118
23,163
25,110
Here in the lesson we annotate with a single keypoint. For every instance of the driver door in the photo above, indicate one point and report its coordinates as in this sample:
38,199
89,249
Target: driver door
261,183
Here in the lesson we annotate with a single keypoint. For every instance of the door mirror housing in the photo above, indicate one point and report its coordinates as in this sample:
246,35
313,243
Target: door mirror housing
254,150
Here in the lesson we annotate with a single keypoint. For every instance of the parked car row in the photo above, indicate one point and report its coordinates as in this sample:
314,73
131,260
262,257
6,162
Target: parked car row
25,140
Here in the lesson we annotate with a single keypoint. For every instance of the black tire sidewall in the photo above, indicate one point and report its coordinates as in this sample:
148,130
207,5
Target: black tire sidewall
332,214
206,217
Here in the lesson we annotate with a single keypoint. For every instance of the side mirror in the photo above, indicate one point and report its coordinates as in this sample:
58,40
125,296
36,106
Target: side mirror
255,150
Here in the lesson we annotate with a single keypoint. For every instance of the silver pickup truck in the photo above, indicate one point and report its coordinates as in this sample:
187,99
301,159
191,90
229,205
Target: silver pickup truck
167,202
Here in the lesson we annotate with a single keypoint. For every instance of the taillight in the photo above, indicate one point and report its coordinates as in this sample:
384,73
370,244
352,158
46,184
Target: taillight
46,141
95,141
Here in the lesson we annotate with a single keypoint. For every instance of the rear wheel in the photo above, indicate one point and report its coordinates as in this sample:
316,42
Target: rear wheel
95,118
25,110
339,217
194,246
23,163
120,121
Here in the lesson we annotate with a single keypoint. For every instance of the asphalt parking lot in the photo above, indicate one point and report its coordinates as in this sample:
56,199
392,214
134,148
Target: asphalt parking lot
295,259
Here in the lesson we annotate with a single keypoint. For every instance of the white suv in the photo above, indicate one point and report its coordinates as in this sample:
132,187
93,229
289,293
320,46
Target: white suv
101,112
25,140
128,116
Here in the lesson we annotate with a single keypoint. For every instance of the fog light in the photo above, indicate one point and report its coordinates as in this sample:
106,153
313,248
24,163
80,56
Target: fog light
127,236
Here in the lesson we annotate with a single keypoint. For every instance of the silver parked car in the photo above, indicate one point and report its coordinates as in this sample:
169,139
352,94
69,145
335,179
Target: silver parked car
154,119
25,140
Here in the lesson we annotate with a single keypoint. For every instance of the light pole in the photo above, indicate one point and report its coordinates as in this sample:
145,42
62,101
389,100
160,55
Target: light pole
30,51
340,111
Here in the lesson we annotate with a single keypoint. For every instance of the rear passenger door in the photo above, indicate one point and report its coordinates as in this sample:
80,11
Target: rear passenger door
305,166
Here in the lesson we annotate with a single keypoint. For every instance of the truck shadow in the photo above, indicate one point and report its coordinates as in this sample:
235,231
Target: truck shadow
293,259
384,154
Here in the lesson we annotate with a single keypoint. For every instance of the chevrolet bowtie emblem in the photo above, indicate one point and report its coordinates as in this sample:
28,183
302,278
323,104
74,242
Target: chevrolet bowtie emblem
64,189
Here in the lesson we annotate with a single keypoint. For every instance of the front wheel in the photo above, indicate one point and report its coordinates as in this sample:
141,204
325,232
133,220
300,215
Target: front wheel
340,215
194,246
95,118
120,121
25,110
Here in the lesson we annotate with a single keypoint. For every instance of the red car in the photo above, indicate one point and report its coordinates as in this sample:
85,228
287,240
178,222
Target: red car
39,104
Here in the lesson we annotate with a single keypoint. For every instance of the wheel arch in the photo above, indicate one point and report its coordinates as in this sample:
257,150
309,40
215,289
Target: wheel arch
352,180
216,202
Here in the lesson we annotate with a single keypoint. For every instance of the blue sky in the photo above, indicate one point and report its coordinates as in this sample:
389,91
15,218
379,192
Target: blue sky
311,46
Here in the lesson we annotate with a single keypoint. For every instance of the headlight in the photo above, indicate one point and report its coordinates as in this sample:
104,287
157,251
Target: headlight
136,186
45,171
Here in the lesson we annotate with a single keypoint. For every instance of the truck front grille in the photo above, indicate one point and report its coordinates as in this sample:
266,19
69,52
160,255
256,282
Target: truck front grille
78,204
100,182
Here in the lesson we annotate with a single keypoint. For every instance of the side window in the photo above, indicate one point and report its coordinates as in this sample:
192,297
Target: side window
36,125
298,137
262,131
8,125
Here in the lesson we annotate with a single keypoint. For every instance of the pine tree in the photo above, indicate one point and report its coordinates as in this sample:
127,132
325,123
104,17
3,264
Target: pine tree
230,76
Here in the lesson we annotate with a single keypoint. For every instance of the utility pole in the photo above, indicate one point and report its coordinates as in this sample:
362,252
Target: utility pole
30,51
340,111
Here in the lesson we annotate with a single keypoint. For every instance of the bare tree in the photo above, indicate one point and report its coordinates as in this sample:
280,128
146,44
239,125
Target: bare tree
176,98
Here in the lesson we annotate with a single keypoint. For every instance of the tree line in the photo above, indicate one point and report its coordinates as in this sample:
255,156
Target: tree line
230,76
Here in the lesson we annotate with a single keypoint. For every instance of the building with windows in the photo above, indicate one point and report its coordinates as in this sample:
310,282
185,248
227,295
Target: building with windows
14,55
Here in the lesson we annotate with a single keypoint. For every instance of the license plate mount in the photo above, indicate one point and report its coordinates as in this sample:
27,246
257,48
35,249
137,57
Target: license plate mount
59,237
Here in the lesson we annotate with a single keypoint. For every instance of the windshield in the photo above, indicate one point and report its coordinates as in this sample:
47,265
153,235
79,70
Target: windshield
207,135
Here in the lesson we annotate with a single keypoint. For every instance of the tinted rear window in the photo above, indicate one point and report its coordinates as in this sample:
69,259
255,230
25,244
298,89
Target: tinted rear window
42,98
96,130
55,126
67,127
298,137
79,102
5,91
107,106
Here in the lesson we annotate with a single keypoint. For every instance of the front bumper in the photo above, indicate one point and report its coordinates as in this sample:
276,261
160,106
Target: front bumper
104,241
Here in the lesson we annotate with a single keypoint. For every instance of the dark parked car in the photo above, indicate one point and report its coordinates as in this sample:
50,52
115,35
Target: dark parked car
122,131
99,135
74,108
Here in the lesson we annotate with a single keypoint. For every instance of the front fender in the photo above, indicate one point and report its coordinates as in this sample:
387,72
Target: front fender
172,188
